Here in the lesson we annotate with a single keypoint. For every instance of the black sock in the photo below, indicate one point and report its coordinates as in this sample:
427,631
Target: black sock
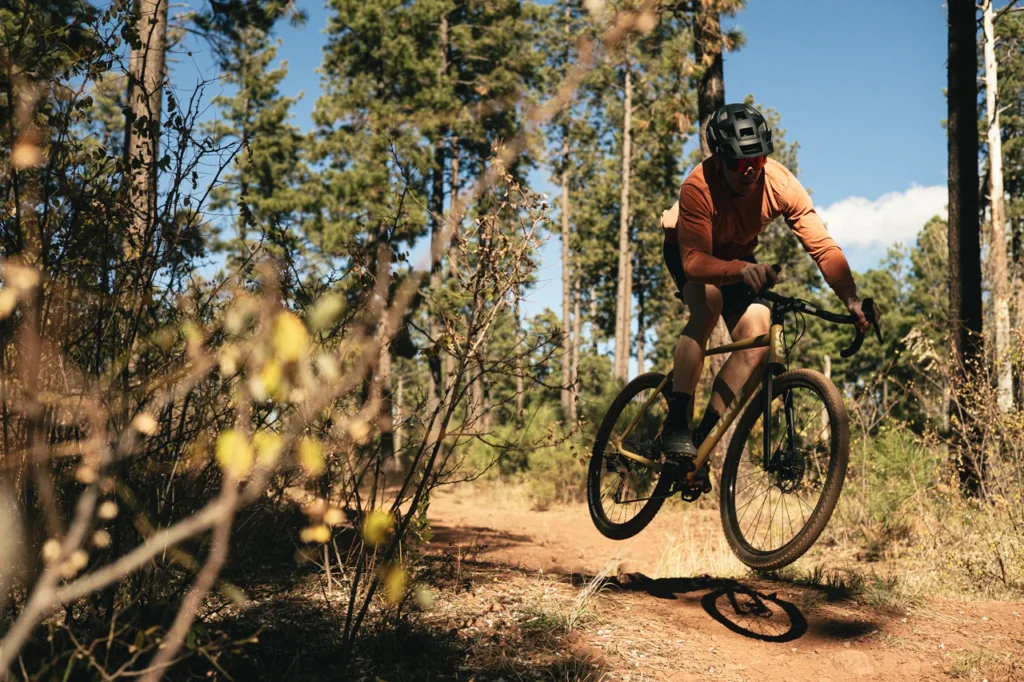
706,424
679,409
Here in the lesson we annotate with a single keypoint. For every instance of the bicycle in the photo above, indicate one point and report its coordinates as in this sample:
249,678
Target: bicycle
773,467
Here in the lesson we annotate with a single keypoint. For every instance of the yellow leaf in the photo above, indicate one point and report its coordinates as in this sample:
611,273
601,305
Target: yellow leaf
193,333
268,447
51,550
334,517
101,539
8,301
144,423
229,357
394,585
425,597
107,510
233,453
358,430
326,312
290,337
270,377
376,526
311,456
21,277
26,154
319,533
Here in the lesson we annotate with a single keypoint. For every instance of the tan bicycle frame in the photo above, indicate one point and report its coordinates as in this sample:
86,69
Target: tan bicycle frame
775,359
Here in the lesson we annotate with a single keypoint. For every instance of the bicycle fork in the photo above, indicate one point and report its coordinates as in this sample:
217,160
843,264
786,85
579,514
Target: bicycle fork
775,364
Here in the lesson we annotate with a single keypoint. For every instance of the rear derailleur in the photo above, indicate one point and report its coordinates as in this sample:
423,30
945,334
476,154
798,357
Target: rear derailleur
677,468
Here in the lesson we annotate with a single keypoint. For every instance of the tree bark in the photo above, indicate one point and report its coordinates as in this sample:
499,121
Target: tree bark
437,373
621,366
575,371
965,306
707,43
567,338
520,384
997,256
382,377
142,132
641,290
399,390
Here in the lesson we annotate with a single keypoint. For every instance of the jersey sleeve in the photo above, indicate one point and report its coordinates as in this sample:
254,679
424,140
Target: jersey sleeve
804,221
695,242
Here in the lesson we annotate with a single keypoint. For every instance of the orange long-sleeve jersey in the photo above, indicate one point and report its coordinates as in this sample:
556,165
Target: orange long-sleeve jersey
714,227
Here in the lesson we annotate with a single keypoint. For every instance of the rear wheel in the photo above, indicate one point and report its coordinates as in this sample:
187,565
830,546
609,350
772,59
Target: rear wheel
624,495
772,515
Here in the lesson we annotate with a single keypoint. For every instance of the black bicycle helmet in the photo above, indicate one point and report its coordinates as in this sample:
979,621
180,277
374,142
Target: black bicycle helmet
736,131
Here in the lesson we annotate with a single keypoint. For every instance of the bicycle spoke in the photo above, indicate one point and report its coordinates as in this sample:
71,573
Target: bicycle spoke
771,509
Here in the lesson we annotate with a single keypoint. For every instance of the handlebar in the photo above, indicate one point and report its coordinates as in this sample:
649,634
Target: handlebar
798,305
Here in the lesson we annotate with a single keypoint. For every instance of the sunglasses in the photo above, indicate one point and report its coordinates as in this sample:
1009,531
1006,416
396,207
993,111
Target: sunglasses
741,165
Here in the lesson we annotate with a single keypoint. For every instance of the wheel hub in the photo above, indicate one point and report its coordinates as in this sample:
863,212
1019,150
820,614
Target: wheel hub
787,468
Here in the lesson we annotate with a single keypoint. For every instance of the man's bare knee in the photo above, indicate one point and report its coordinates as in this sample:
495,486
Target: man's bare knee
704,302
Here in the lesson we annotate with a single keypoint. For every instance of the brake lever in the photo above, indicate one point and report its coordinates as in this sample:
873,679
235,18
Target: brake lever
871,313
778,269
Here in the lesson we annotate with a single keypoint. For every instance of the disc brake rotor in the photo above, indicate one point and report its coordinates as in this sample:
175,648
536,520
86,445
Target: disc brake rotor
787,468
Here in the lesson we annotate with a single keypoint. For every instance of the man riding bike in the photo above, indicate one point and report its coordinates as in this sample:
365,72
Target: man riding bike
710,236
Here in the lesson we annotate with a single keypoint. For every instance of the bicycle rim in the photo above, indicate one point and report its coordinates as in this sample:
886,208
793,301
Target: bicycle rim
623,494
772,516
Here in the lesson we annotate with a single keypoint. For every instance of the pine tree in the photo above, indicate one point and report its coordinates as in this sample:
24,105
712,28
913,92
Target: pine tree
267,175
965,307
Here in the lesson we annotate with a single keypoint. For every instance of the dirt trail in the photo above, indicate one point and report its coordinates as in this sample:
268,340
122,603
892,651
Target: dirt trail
712,627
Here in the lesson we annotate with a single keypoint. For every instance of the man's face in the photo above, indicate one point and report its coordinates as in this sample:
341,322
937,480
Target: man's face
743,176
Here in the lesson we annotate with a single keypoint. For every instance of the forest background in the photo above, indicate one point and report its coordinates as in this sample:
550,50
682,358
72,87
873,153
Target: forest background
215,319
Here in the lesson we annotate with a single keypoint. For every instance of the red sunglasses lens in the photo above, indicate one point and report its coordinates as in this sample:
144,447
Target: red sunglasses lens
741,165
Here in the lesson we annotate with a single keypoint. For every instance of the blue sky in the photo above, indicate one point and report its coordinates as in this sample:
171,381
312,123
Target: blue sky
858,84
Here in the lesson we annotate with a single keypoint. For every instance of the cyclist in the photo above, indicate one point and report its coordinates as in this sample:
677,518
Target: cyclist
710,236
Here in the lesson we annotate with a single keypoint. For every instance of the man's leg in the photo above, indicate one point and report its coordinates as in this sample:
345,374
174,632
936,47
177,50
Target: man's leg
704,302
737,369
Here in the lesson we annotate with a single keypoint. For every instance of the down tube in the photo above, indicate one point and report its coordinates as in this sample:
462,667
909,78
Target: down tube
732,411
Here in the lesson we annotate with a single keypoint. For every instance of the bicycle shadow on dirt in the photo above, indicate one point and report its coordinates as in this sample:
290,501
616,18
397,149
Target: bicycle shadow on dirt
743,609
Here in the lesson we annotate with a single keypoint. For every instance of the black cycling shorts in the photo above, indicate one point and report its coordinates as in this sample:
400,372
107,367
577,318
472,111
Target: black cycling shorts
736,298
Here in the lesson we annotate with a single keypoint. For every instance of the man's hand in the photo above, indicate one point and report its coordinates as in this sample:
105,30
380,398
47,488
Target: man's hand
760,275
854,305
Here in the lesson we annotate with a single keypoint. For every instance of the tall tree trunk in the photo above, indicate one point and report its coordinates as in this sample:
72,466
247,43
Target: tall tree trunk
567,338
399,433
520,387
621,366
640,335
708,44
997,257
575,368
448,364
437,372
382,377
965,309
142,129
641,290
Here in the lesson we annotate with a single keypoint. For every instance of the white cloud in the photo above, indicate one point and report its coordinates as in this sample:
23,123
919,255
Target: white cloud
894,217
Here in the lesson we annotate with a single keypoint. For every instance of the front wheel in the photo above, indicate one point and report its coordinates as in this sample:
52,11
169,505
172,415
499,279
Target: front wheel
624,495
773,514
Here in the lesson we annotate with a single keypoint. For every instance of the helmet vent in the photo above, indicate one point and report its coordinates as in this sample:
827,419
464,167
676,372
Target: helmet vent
751,148
746,132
